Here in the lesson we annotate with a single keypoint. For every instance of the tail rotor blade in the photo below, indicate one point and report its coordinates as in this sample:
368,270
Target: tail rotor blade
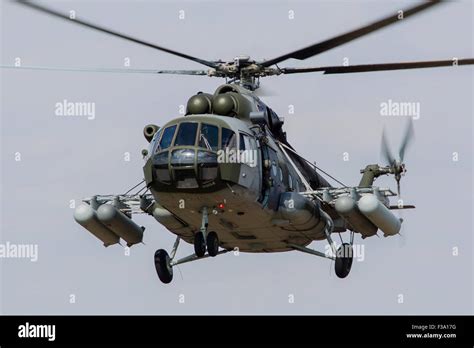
386,153
407,139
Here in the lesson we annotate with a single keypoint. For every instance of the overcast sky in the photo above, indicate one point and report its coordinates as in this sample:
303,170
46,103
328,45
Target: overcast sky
68,158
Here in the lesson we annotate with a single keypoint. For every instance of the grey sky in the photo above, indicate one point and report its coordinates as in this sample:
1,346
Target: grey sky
65,158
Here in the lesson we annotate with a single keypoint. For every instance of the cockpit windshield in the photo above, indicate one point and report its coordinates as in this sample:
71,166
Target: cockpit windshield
188,153
228,139
186,134
167,138
154,141
209,137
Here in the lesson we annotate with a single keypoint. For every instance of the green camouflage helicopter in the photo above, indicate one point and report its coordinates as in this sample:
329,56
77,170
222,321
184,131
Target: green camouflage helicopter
224,177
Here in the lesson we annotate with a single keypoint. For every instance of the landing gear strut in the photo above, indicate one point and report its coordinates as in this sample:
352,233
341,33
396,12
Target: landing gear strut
200,237
164,263
342,256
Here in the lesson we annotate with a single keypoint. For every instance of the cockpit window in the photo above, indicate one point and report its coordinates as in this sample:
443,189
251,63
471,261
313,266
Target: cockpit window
167,138
245,142
154,141
228,138
186,134
242,142
209,137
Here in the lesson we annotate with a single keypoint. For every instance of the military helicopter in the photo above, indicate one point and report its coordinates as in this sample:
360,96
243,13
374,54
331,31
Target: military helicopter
224,177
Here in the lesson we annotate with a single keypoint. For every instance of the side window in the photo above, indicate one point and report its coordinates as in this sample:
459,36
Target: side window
248,145
245,142
228,139
242,142
209,137
167,138
186,134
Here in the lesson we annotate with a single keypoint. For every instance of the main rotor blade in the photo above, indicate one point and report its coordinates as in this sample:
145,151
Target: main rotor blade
108,70
349,36
114,33
407,139
380,67
386,153
183,72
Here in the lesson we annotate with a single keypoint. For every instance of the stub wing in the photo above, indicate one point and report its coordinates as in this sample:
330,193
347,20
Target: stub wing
363,209
109,217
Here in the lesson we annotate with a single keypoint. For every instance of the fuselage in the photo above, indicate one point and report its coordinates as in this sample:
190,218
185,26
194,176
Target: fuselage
239,172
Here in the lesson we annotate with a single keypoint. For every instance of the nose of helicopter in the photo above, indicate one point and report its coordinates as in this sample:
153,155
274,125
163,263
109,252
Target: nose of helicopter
185,167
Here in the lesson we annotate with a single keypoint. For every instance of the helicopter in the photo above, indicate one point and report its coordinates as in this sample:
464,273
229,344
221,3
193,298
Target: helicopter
224,176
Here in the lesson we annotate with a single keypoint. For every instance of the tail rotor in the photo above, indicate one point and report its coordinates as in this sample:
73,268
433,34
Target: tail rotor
397,166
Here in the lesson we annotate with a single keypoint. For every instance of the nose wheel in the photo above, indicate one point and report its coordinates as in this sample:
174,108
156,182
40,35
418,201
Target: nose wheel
204,240
199,244
212,242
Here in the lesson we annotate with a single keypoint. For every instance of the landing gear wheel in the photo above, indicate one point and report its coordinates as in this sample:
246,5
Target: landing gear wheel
343,260
199,244
212,243
163,267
